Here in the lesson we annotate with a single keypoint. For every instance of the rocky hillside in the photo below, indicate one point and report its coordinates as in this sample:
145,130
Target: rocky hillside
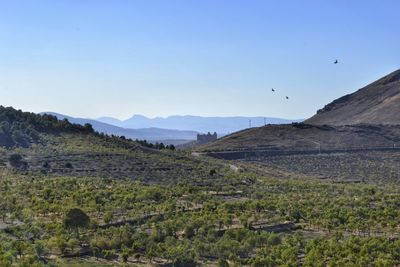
377,103
354,138
368,118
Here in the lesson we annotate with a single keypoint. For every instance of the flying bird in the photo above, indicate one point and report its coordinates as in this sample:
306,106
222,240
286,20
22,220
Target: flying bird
336,61
273,90
287,97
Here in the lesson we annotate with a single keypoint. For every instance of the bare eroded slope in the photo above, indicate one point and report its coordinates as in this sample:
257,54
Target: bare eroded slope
377,103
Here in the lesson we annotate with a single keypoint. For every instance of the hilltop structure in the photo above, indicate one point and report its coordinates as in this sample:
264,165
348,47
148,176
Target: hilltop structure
206,138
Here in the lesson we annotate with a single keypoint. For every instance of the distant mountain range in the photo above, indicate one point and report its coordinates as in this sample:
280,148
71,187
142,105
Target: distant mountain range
171,130
221,125
151,134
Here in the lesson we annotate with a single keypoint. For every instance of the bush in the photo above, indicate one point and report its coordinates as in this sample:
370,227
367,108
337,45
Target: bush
17,161
223,263
68,165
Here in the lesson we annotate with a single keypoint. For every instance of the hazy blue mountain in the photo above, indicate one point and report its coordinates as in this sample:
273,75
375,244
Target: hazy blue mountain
110,120
149,133
221,125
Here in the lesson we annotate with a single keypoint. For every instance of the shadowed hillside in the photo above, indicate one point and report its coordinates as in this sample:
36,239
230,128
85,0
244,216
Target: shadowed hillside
342,153
305,137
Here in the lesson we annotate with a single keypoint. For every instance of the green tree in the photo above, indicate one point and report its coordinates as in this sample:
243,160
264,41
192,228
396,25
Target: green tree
75,219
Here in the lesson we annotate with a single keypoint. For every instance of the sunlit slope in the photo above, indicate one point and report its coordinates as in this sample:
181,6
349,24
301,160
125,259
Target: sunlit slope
377,103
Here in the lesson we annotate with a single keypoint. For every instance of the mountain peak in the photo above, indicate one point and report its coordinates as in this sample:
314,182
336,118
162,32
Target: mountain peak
376,103
139,116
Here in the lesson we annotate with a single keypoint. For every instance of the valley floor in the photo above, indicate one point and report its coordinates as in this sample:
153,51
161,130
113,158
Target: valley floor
242,218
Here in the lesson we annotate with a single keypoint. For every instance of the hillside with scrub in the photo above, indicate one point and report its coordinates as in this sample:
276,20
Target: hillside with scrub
72,197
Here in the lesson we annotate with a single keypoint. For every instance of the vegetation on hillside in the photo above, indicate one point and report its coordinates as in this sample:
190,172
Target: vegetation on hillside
78,197
18,128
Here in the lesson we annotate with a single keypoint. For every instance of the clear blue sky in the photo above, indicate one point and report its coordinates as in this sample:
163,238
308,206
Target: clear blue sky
210,57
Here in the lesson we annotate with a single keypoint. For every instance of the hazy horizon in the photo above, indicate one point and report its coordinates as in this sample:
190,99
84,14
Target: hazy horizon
162,117
161,58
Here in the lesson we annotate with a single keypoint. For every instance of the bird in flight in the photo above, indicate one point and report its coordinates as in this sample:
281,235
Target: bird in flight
336,61
273,90
287,97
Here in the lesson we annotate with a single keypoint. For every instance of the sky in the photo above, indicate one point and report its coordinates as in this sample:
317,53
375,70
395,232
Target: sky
92,58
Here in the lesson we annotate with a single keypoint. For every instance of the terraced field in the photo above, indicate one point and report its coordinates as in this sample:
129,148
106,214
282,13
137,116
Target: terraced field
136,163
372,166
